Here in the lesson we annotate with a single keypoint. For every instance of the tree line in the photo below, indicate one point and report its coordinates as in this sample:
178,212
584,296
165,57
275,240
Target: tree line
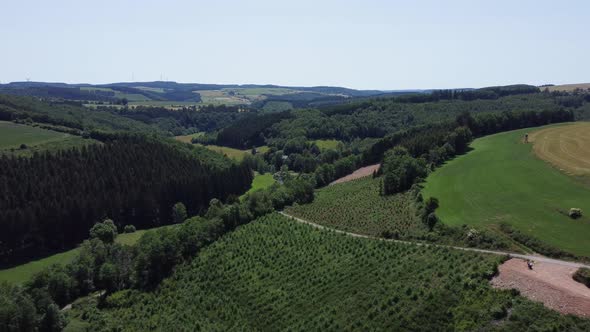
420,140
49,202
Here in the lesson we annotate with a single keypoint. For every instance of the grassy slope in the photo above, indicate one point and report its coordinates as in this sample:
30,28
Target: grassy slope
37,139
23,272
275,274
12,135
502,181
356,206
188,138
261,181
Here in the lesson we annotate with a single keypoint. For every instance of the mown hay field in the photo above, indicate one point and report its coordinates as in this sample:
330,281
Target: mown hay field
566,147
502,180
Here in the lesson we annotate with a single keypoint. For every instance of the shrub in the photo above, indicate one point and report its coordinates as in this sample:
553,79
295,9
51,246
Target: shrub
105,231
582,275
129,229
179,213
575,213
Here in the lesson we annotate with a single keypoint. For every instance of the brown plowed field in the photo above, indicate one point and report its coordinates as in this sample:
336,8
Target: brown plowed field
566,147
549,283
359,173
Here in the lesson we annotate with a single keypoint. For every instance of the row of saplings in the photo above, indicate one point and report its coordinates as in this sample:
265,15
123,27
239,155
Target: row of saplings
104,266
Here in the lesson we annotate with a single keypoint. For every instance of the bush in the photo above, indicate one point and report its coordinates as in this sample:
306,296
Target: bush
179,213
582,275
129,229
105,231
575,213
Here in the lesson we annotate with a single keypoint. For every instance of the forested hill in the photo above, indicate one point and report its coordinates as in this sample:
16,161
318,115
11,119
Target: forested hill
50,201
66,114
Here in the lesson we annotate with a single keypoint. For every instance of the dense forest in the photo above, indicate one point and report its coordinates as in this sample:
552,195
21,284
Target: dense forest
183,121
77,119
49,202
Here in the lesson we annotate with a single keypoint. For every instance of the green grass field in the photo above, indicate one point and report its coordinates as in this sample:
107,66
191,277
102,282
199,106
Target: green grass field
234,153
326,144
12,135
36,139
261,181
275,274
501,180
188,138
24,272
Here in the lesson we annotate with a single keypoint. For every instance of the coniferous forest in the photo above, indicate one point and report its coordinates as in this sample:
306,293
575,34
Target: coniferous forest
50,201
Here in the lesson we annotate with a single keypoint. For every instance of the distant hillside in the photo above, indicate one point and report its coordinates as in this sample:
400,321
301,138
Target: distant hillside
161,93
566,87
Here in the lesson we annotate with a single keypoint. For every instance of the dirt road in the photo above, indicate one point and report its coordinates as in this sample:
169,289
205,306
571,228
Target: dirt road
549,283
359,173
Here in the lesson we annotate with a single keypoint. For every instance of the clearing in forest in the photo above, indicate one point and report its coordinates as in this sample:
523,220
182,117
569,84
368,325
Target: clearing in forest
359,173
24,272
501,180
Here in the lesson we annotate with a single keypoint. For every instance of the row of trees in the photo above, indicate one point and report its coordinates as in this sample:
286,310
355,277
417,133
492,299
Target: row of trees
431,139
49,202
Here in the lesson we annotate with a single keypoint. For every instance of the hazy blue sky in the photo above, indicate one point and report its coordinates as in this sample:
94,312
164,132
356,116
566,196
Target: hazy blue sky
367,44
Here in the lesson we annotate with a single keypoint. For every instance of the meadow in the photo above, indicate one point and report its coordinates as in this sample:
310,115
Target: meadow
327,144
12,135
357,207
502,181
261,181
36,139
24,272
277,274
188,138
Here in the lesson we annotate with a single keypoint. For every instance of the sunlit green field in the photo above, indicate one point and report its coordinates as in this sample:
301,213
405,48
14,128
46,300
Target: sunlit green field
261,181
502,180
24,272
12,136
326,144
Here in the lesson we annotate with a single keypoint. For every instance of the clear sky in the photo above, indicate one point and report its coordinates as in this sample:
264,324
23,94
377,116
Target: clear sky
369,44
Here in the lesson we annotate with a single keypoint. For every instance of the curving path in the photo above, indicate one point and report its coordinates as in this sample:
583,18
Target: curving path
485,251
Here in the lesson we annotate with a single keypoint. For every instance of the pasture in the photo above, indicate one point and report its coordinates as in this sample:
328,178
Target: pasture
501,180
36,139
327,144
188,138
24,272
261,181
12,135
566,147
